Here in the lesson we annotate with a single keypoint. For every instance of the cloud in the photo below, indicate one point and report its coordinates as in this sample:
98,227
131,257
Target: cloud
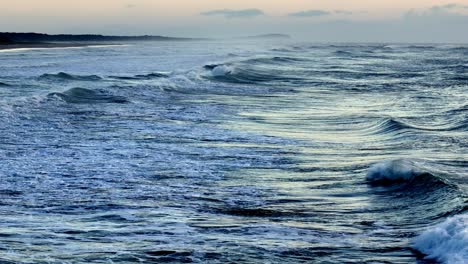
131,6
310,13
442,13
343,12
448,8
229,13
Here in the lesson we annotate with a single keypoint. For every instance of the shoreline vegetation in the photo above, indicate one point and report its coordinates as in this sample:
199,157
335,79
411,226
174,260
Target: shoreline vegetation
11,40
14,46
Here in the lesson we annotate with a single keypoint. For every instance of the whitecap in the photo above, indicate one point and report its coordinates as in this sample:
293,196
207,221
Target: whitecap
446,242
222,70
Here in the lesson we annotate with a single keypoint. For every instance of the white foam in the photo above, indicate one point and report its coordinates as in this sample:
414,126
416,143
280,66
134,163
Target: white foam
393,46
393,170
446,242
222,70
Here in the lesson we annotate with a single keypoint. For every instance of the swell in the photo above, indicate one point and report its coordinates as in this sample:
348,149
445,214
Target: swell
276,60
62,76
2,84
458,110
293,70
415,47
154,75
393,125
460,68
87,96
256,70
258,212
343,53
366,74
408,187
247,74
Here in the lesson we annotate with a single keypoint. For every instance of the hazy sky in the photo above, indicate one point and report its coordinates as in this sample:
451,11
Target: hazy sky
317,20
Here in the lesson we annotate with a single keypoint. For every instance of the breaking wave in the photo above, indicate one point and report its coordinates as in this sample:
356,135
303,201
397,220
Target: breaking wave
409,187
446,242
391,171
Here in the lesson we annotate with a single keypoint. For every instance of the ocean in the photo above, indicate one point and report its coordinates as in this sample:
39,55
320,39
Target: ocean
236,151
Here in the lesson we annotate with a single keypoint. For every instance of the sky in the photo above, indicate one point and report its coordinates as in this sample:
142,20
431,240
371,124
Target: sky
315,20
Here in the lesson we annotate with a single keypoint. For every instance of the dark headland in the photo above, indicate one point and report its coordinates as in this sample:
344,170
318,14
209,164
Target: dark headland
269,36
12,40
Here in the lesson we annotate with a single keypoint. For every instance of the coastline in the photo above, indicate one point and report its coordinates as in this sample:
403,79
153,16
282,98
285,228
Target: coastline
22,41
20,46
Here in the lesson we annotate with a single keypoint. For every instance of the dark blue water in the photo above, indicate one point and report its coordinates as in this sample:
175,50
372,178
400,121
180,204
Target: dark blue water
231,152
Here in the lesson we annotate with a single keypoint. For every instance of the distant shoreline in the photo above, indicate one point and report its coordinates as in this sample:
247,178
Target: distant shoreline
14,46
16,37
15,40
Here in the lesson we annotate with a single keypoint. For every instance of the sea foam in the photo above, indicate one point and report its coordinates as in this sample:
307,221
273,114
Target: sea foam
446,242
393,170
222,70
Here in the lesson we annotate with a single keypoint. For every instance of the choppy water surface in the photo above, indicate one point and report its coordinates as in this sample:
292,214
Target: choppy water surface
234,153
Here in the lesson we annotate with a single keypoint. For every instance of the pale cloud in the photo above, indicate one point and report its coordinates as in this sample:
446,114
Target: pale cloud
335,20
310,13
449,12
450,6
229,13
343,12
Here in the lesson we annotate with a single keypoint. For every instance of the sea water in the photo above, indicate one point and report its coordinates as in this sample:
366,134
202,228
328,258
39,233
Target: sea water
234,152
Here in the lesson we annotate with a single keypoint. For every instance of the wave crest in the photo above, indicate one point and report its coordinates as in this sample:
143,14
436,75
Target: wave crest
246,74
392,125
390,171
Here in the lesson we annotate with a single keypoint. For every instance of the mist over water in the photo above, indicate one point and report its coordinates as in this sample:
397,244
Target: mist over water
234,152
